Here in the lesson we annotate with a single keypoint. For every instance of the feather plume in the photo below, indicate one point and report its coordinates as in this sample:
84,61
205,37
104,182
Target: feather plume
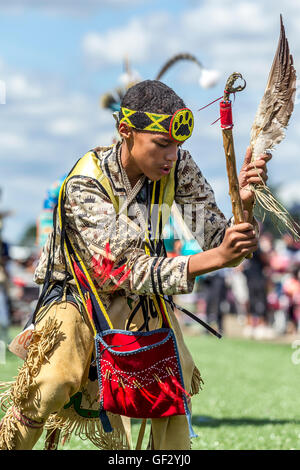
173,60
208,78
271,120
277,104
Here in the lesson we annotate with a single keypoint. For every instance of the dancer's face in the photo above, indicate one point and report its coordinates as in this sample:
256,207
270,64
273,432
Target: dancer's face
151,154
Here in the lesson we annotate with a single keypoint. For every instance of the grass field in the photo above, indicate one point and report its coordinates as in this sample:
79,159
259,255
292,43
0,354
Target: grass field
250,399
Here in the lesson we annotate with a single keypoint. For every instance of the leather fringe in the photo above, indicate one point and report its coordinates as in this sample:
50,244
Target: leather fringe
41,345
197,382
70,423
8,429
5,395
15,393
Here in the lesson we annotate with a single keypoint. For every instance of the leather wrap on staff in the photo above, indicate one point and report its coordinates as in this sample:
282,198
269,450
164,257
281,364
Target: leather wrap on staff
237,207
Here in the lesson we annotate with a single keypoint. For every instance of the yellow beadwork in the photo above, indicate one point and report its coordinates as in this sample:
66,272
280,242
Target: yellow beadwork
180,127
182,124
127,113
155,126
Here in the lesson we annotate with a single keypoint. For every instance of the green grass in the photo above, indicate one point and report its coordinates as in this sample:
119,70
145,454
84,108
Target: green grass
251,395
250,398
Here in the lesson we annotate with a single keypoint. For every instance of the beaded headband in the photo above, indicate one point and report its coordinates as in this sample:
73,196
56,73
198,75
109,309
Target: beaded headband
179,125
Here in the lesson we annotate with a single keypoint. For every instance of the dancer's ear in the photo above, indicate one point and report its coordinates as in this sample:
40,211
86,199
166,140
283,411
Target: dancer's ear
125,131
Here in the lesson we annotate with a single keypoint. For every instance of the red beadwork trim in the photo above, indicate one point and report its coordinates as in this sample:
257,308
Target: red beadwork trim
30,423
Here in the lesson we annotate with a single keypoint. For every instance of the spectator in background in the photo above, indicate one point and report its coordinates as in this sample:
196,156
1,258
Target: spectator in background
215,300
283,259
238,283
291,287
5,306
257,287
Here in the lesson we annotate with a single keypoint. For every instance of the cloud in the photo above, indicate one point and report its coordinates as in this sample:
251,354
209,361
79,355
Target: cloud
140,38
224,34
45,128
20,87
10,142
226,17
243,35
290,193
65,127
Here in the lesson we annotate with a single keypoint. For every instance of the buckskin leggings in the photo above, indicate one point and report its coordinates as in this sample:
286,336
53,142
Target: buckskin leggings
57,368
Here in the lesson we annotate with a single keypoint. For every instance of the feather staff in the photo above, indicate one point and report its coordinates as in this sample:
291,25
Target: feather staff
271,120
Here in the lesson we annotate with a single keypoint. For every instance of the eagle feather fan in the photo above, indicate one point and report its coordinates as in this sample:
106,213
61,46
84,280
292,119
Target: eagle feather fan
271,119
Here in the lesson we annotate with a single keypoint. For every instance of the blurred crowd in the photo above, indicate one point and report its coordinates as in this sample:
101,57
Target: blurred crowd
18,292
262,294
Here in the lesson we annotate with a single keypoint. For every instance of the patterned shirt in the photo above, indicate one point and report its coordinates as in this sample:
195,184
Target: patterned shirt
91,223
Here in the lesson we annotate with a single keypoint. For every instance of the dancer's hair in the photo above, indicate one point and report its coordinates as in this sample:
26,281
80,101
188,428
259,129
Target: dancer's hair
152,96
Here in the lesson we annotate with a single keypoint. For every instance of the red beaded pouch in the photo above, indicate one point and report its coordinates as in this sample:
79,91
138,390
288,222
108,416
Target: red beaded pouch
140,374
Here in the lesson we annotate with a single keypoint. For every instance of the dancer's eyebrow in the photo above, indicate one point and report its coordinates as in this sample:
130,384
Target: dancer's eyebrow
163,140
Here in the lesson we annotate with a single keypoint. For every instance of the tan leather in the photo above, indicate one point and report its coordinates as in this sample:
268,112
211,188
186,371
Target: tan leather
65,370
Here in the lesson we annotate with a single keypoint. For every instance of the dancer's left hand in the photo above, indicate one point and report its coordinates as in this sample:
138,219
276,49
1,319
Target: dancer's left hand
252,173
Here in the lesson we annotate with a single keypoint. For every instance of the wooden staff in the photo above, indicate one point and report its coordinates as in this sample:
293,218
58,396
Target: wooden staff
227,125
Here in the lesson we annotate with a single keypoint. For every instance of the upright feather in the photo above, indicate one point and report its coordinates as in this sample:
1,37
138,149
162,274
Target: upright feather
271,120
277,104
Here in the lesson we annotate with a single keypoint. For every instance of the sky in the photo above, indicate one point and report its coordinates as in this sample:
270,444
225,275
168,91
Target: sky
58,57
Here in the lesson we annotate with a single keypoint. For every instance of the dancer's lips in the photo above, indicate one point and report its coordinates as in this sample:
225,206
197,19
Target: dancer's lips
166,170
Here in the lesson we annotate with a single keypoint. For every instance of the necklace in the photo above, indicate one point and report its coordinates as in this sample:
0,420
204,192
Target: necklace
131,191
